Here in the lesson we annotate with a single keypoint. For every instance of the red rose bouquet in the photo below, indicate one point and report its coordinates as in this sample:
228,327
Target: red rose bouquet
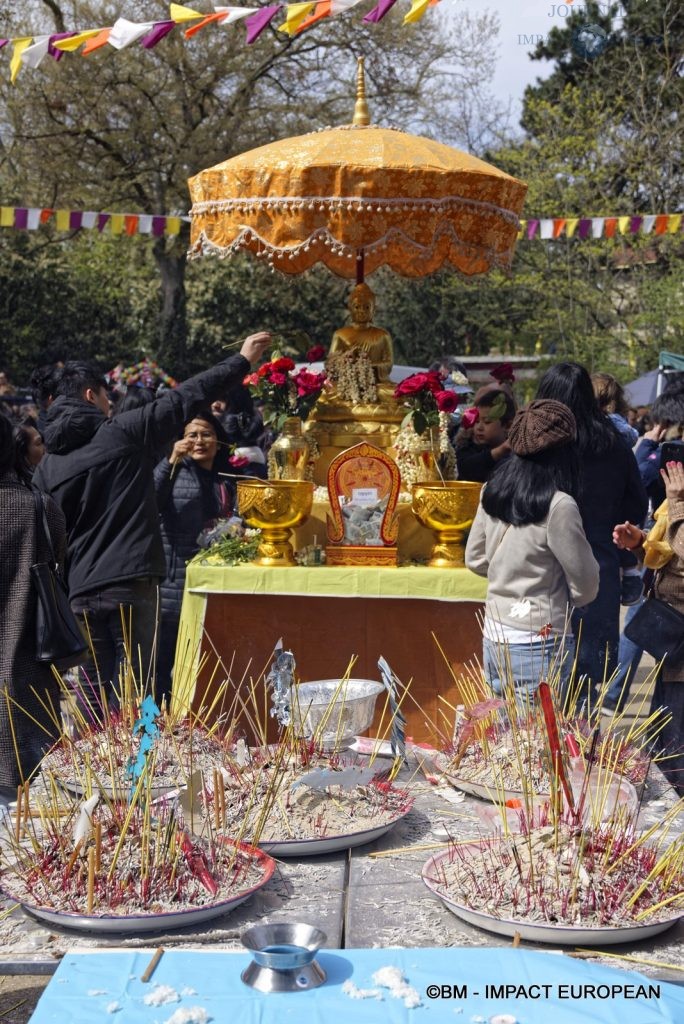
284,392
425,396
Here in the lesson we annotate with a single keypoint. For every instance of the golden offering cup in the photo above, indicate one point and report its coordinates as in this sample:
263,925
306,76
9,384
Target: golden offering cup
276,507
448,509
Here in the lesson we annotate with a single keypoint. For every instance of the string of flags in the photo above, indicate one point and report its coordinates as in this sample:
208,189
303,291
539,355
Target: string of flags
31,50
552,228
546,229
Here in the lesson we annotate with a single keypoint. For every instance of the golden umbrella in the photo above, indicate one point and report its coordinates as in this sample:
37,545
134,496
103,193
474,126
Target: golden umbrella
355,198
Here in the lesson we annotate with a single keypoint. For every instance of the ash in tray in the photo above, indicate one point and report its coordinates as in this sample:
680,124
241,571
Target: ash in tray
177,746
585,877
308,795
488,751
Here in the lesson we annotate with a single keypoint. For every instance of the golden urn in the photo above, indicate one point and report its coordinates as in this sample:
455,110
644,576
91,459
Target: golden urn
448,509
275,507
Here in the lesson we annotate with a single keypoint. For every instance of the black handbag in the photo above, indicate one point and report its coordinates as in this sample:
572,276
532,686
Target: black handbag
59,637
658,629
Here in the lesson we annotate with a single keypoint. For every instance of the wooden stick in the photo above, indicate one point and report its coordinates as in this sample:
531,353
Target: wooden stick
27,813
151,967
98,845
17,819
74,855
91,878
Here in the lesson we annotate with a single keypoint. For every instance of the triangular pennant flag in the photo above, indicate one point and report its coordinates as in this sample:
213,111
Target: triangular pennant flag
623,224
596,227
648,224
125,32
3,42
635,224
45,215
159,31
101,39
59,37
102,221
584,227
546,229
179,13
674,223
72,42
18,47
294,16
571,226
6,216
418,9
379,11
62,220
190,32
340,6
261,19
532,226
323,10
558,225
89,219
233,14
34,54
33,219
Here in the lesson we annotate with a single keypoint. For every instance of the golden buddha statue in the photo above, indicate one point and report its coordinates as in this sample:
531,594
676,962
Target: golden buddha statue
360,404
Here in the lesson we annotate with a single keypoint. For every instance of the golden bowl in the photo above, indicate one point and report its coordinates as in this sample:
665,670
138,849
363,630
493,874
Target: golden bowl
448,509
276,507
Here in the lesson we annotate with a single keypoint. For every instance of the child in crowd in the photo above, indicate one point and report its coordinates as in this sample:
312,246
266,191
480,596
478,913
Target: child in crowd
483,439
611,399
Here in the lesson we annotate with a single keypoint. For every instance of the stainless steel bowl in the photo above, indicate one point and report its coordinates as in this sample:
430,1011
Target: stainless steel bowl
283,957
334,711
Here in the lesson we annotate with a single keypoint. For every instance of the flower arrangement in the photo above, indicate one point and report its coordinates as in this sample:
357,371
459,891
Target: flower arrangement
353,376
283,391
425,397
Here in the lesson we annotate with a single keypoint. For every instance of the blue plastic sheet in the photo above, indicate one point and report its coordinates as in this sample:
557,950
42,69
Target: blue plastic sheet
551,989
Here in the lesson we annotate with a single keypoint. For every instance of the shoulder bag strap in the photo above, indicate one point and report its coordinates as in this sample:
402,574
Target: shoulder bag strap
42,525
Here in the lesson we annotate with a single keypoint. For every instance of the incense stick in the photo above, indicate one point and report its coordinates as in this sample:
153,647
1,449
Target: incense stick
152,966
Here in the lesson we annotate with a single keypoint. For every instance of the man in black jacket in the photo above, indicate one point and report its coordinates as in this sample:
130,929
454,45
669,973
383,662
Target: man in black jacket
99,471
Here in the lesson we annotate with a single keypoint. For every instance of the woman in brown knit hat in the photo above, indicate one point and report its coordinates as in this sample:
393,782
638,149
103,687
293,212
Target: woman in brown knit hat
528,540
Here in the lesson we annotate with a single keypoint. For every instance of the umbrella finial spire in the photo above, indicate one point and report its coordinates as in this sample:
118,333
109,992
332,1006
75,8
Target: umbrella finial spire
361,111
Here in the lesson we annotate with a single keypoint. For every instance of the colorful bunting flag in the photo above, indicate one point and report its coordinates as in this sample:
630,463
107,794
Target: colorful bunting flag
261,19
418,9
294,16
379,11
548,229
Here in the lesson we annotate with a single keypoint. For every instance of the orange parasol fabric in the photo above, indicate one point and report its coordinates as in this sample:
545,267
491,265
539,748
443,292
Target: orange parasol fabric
358,192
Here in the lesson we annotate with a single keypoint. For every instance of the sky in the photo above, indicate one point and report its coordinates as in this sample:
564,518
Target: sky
519,19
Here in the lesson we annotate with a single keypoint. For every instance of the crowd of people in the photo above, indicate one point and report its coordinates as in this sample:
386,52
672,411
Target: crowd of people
571,485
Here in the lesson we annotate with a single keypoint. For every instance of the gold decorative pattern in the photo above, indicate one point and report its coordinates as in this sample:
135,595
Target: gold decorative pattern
448,509
407,201
275,507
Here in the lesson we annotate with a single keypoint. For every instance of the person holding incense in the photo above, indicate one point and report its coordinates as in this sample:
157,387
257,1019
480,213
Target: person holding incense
191,496
527,539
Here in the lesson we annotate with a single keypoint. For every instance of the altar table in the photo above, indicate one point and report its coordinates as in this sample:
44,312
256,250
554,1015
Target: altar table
326,615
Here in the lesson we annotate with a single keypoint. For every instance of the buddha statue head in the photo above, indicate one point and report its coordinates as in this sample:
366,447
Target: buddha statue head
361,305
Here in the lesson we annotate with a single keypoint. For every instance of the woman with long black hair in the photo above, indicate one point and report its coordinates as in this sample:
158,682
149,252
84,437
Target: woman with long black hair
611,491
527,539
190,496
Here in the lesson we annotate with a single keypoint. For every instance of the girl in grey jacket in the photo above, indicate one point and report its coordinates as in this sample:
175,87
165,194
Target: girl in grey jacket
528,540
